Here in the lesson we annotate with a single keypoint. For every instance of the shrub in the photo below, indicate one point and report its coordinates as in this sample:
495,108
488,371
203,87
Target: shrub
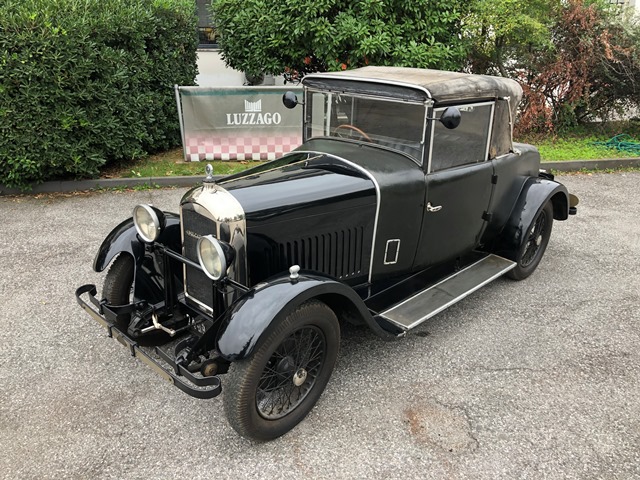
87,82
302,36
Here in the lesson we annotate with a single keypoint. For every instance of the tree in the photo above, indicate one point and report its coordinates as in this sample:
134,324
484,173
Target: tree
294,37
615,78
593,69
501,33
575,59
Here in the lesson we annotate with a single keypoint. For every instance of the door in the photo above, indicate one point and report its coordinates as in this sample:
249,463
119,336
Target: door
458,186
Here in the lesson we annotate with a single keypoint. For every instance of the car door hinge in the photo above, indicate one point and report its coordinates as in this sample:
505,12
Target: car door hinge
494,179
487,216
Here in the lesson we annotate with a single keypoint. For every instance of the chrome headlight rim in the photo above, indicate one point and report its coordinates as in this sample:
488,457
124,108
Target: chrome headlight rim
220,253
155,218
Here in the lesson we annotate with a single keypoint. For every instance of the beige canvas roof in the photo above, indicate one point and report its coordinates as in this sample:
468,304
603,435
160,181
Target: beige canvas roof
442,86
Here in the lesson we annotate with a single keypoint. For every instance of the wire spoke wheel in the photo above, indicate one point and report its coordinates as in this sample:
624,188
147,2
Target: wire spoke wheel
535,243
534,239
291,372
271,391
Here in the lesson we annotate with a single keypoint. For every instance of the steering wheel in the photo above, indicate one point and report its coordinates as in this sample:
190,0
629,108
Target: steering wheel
353,128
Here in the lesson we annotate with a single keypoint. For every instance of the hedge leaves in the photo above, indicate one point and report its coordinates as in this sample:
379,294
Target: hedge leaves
87,82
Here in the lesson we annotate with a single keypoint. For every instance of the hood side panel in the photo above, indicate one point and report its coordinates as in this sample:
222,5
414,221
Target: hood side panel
401,183
346,199
335,243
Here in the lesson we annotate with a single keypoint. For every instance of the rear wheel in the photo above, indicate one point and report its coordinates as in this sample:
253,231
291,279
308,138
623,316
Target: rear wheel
118,285
269,393
534,245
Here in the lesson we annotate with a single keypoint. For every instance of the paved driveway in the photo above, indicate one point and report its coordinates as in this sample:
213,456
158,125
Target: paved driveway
537,379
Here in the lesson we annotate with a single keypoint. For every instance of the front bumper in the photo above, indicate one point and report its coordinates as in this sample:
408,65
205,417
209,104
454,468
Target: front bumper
156,358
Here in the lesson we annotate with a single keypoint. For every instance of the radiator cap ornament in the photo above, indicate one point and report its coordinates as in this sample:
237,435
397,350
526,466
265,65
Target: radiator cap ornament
209,171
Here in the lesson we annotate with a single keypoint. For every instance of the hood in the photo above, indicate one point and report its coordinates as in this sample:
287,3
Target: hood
300,185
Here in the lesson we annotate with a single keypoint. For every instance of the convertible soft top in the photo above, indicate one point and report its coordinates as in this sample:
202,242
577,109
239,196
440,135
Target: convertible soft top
422,85
439,85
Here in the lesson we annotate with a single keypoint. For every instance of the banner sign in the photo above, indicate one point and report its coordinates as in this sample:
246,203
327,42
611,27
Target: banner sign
237,123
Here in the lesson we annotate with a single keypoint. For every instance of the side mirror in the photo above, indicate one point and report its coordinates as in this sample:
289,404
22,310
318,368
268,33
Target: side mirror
290,100
451,118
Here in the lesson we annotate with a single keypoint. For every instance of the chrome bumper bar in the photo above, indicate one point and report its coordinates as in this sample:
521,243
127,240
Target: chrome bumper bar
178,375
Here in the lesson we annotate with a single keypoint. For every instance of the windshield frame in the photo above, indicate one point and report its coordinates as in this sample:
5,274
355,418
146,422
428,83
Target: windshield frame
328,94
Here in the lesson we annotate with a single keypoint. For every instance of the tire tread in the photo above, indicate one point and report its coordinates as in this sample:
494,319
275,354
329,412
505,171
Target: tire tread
239,394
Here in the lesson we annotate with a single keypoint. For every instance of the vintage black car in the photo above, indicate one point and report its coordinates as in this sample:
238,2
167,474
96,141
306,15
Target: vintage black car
406,196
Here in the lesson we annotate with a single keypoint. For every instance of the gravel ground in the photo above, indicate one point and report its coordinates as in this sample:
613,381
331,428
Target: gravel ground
533,379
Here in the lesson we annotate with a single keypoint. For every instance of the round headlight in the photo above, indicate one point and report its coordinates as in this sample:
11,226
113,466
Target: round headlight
147,222
215,256
212,257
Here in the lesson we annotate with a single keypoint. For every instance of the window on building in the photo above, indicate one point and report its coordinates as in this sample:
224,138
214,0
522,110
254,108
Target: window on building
206,33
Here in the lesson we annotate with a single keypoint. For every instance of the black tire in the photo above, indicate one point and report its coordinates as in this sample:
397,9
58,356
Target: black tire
269,393
537,239
117,287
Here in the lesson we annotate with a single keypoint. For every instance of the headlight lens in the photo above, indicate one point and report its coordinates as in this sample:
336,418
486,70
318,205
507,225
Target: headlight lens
214,256
148,222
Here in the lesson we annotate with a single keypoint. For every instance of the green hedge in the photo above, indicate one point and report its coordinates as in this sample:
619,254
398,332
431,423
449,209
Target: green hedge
88,82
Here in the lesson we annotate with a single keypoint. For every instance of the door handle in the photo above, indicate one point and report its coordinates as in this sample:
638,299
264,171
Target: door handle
431,208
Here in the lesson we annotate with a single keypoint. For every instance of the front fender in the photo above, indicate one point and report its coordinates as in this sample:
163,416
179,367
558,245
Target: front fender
124,238
249,320
535,194
148,276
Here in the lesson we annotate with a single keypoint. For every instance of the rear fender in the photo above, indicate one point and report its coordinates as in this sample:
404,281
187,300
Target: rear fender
251,318
533,197
148,280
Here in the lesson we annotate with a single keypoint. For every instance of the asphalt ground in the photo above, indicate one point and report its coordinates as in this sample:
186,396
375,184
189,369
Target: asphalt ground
532,379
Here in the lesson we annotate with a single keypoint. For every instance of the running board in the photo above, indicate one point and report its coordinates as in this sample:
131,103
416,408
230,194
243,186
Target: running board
432,300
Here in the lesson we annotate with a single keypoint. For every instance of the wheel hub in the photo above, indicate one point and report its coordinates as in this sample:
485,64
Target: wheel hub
299,377
291,373
285,366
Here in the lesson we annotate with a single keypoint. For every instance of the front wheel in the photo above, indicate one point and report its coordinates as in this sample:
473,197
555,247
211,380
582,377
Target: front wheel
269,393
534,245
118,286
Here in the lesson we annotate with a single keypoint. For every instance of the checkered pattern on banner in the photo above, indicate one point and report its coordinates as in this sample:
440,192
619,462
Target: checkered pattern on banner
240,148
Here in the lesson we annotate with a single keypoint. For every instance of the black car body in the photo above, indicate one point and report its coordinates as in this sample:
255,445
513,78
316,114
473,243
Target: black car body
406,196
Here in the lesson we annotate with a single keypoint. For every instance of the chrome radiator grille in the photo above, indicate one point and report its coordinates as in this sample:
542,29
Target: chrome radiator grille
198,286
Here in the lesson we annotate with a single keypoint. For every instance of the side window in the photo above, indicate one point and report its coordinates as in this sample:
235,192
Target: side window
465,144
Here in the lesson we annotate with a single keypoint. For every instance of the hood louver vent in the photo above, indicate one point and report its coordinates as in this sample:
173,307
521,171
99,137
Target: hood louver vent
339,254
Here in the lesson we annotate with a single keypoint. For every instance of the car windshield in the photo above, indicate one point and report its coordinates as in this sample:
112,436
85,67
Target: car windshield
391,123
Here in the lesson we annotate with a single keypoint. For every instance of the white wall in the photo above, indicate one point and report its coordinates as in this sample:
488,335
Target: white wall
630,3
212,72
